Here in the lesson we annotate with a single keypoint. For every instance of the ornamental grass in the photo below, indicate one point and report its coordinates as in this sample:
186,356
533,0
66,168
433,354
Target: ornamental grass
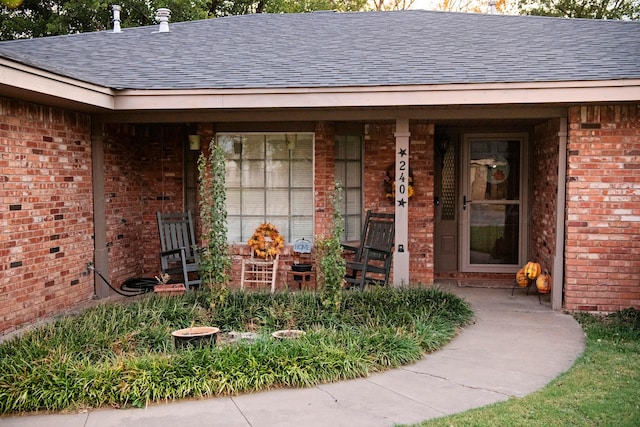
122,354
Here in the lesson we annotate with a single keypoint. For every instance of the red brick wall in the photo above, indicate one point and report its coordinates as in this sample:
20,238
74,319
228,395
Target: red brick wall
46,211
161,165
143,175
324,176
543,202
421,208
123,207
603,208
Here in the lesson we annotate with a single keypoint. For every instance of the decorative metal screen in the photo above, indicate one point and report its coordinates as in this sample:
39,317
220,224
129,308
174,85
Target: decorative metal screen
448,201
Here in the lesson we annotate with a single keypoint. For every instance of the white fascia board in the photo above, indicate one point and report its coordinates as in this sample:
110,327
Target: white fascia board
19,77
382,96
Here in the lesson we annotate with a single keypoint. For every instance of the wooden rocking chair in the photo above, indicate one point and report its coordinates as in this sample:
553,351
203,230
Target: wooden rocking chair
178,254
371,263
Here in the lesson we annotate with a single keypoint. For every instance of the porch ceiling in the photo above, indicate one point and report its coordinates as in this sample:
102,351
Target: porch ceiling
483,116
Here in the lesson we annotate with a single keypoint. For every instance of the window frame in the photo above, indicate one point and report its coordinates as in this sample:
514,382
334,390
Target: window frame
278,220
350,234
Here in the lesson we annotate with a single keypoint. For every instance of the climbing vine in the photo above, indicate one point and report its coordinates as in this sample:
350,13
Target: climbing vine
330,259
215,261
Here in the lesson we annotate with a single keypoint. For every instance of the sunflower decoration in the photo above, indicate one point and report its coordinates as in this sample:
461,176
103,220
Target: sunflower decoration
266,242
390,183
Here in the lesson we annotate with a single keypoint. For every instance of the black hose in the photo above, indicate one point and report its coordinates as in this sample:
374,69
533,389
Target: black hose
141,285
131,287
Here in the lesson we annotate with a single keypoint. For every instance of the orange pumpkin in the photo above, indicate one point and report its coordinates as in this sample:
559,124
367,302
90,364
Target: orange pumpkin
532,270
521,278
543,283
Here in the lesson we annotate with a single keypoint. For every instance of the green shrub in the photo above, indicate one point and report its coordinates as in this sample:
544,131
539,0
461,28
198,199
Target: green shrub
123,355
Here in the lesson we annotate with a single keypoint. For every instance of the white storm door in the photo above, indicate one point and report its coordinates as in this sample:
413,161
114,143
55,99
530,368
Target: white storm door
493,228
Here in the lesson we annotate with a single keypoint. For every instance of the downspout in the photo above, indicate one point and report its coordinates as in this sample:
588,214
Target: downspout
101,252
561,203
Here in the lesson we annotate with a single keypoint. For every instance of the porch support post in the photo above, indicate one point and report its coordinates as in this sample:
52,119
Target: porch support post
401,251
101,252
561,203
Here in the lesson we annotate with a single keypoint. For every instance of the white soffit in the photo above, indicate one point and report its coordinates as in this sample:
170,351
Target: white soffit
387,96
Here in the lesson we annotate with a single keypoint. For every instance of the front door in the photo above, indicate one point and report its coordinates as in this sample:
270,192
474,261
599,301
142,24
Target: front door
492,201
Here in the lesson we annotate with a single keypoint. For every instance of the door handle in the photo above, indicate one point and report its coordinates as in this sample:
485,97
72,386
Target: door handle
464,203
436,201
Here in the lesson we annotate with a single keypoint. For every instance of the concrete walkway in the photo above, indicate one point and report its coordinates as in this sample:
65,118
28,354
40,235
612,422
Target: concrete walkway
515,347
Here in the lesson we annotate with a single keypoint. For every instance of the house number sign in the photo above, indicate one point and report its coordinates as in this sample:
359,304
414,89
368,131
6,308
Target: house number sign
403,193
402,179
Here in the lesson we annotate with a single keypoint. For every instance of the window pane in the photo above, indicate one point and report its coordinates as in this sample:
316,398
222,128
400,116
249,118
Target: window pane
277,202
341,175
277,174
354,177
353,148
233,174
253,173
301,203
253,202
278,146
301,174
303,147
340,147
233,202
301,227
494,234
232,145
233,228
495,170
253,147
352,202
352,228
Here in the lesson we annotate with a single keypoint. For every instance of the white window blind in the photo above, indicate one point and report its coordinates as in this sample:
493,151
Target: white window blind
348,171
269,178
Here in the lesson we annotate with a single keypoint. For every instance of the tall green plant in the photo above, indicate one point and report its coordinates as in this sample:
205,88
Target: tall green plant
329,253
215,261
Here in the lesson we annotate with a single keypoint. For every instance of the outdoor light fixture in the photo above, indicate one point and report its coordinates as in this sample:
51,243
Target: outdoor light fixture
194,138
194,142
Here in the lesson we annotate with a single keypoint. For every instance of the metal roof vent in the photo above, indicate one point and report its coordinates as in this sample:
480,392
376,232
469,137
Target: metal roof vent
492,7
162,16
116,18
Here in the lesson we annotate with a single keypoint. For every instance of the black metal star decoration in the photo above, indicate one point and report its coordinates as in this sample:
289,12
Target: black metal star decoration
401,202
403,152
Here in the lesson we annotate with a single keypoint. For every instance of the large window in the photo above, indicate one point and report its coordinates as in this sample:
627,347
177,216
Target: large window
348,170
269,179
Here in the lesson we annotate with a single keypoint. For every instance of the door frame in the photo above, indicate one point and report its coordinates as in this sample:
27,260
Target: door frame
523,229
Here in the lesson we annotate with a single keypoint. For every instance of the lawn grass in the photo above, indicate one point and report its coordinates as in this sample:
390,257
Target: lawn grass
122,354
601,389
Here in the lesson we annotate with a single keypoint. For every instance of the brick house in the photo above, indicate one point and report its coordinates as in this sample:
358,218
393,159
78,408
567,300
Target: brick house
522,135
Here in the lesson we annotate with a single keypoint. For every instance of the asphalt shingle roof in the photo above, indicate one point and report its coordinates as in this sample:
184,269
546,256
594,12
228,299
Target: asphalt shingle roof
342,49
